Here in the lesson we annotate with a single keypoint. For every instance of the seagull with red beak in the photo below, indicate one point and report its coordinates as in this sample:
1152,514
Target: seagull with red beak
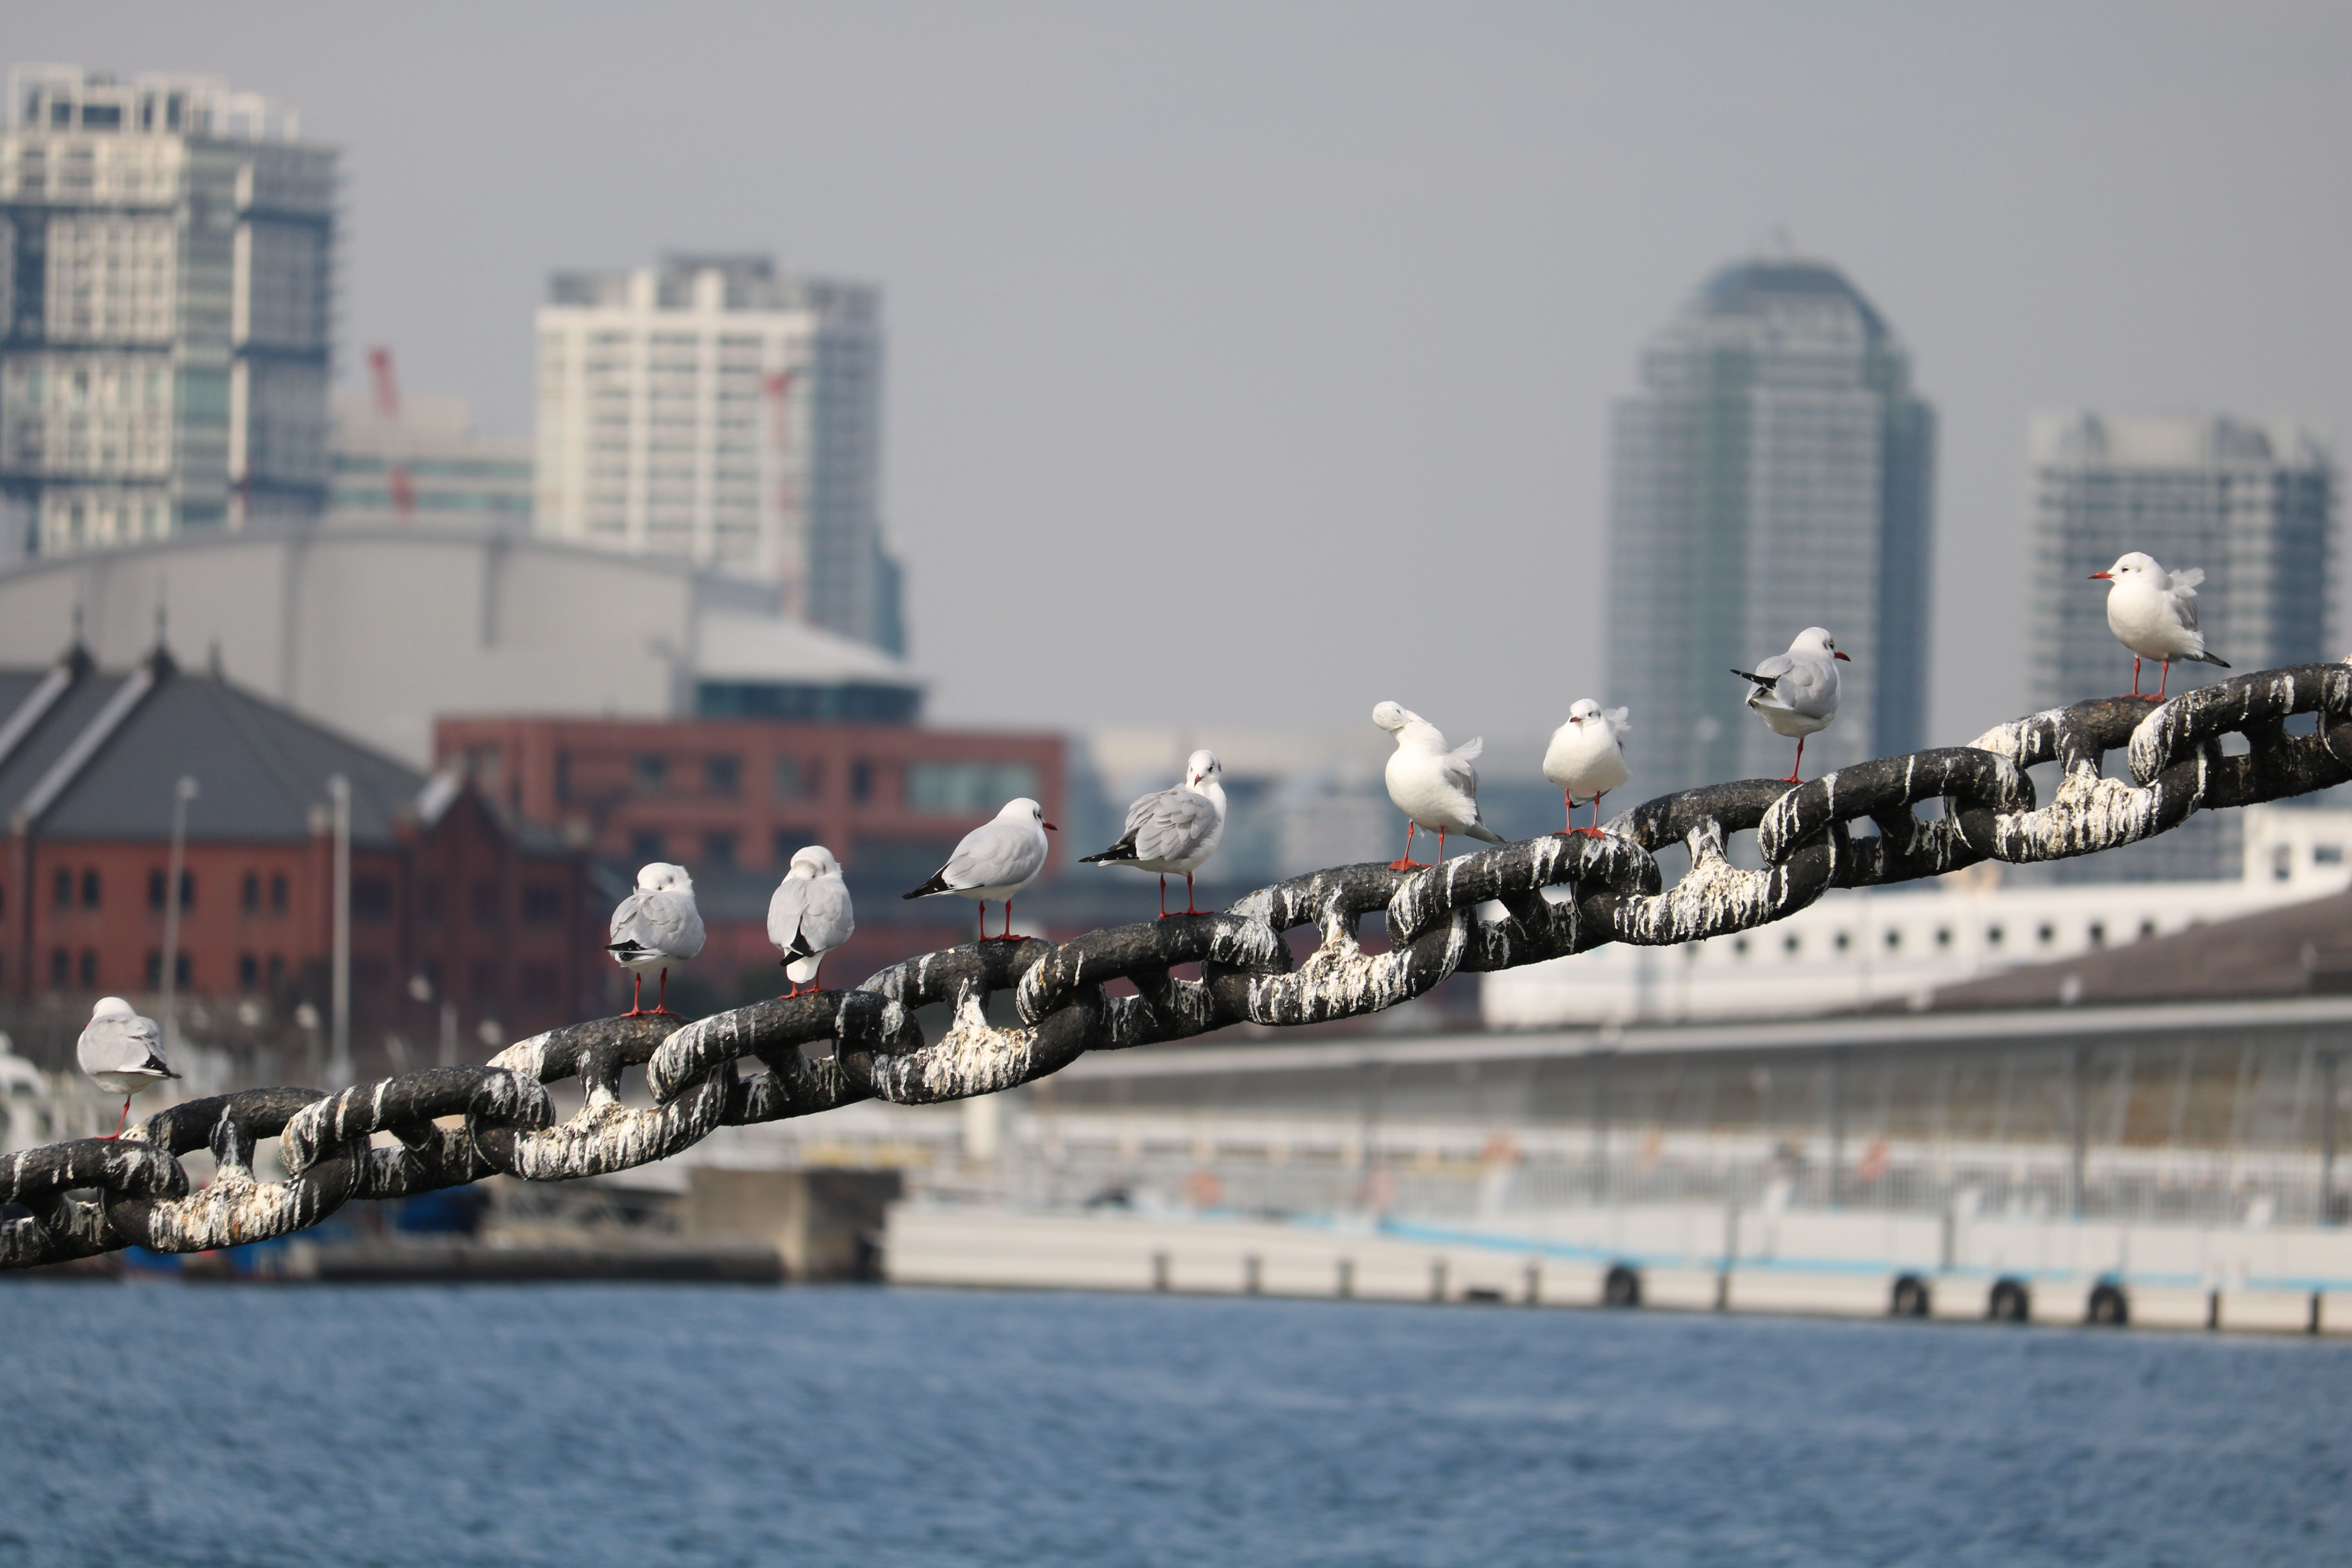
2153,613
1586,759
995,860
1796,692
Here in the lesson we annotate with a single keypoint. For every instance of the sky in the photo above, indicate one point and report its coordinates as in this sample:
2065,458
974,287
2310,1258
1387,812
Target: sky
1249,364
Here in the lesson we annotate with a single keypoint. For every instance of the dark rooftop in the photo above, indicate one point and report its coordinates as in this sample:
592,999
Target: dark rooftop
1745,286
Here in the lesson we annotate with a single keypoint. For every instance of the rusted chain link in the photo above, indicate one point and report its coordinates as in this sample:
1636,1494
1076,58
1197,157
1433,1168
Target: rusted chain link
1559,894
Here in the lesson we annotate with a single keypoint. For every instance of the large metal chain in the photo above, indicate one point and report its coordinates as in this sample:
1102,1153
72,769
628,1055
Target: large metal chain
1560,894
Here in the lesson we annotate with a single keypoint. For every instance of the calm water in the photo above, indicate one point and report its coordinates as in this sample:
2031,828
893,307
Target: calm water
641,1425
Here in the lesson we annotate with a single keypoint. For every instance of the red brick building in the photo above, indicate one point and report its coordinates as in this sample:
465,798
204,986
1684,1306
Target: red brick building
726,794
451,901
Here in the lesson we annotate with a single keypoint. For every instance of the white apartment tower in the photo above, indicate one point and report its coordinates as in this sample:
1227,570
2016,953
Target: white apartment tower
715,409
2253,503
166,287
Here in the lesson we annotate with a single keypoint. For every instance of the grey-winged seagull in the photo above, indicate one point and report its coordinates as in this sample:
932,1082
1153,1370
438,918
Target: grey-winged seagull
1436,788
1796,692
2153,613
810,914
655,926
995,860
1174,829
1586,759
122,1053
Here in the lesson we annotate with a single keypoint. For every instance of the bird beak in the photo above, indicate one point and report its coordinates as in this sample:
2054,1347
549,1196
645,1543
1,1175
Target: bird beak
1834,654
2101,577
1051,828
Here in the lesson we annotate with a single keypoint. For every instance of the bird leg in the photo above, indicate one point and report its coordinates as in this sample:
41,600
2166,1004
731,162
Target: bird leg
982,903
2160,682
1188,896
121,1124
661,1002
1163,895
1799,764
636,993
1569,811
1008,920
1408,863
1440,847
1594,831
2135,691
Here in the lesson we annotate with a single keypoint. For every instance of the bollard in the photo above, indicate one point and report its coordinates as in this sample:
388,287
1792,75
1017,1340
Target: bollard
1437,1280
1252,1275
1534,1282
1160,1271
1347,1278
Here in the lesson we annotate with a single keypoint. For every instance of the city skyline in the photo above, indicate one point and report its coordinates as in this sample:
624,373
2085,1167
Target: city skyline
1122,317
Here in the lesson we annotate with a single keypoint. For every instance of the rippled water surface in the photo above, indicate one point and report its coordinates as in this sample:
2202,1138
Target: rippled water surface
592,1426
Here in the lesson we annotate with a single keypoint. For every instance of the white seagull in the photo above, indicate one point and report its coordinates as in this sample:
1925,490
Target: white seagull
1585,758
995,860
810,914
1436,788
122,1053
1796,692
655,927
2154,614
1174,829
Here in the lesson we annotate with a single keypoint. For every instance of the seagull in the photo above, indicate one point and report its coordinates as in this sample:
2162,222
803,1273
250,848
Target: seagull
1175,829
122,1053
2154,614
995,860
1797,691
1436,788
1584,757
810,914
655,927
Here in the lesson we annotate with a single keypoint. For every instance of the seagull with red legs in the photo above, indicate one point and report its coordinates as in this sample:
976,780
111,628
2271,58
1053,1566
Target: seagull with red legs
1436,788
2153,613
810,915
122,1053
655,927
995,860
1796,692
1586,759
1174,829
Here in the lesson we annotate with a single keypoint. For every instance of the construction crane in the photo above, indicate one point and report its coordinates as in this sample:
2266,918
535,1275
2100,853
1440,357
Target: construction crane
387,410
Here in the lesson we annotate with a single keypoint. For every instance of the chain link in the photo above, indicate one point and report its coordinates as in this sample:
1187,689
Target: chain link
1560,894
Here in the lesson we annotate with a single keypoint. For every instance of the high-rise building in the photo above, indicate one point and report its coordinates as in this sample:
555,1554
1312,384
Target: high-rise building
421,463
716,409
166,283
1774,473
2249,503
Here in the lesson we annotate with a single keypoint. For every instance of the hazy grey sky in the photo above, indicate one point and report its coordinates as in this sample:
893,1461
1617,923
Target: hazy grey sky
1252,364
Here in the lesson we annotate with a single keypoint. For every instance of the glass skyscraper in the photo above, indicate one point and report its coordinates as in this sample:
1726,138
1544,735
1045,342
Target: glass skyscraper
1775,472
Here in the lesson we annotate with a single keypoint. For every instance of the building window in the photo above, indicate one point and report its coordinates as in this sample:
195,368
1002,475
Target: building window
249,970
2045,934
723,775
157,880
1943,936
61,970
2097,933
652,772
718,850
1841,942
543,904
250,894
644,845
63,897
485,977
798,778
968,789
486,903
1792,944
2282,862
90,969
790,840
861,780
90,888
1894,940
278,895
1992,936
428,903
277,970
181,970
2147,930
2327,854
371,897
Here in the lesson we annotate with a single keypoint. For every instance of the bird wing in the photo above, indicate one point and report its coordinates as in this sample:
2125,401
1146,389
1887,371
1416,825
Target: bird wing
1170,824
786,905
625,918
1456,768
1619,720
2184,603
993,855
1810,688
2184,584
668,923
830,917
120,1044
